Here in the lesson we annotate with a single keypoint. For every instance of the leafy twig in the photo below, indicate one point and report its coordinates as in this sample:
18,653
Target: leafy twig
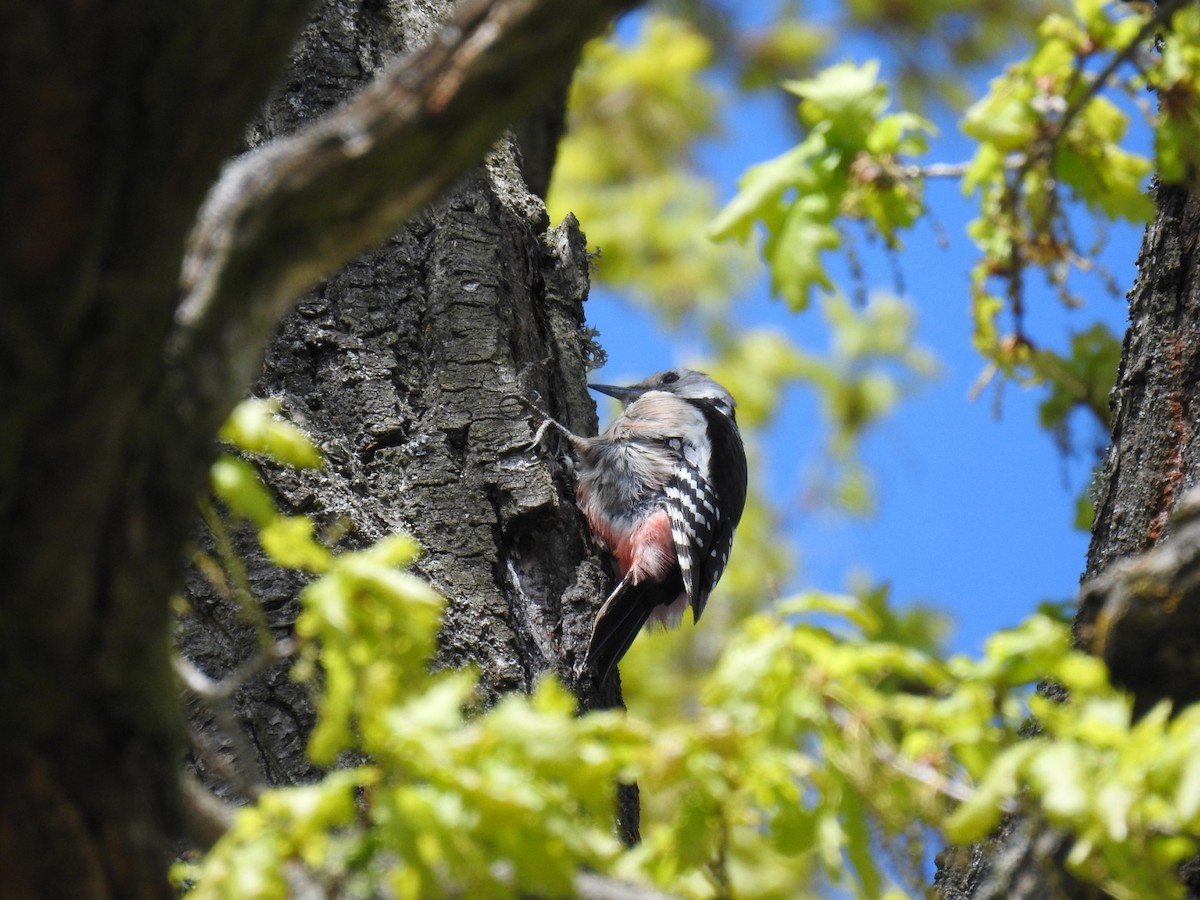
1163,12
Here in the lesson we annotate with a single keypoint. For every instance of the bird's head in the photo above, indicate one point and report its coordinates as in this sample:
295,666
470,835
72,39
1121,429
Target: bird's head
687,384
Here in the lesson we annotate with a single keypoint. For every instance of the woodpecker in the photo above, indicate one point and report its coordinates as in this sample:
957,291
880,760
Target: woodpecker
663,489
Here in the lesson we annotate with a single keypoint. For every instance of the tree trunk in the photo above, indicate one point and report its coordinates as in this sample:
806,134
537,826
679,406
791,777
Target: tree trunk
114,120
405,368
1156,443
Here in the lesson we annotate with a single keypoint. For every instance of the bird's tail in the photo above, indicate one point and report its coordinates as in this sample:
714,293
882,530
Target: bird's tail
621,618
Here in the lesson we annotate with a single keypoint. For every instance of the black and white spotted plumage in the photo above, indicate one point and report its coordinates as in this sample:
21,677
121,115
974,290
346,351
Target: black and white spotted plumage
694,512
663,488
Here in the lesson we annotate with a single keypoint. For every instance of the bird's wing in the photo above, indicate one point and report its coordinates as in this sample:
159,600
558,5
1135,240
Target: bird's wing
693,509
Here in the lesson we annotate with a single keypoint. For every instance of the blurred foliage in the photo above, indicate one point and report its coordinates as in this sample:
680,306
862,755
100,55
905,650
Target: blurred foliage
442,802
1052,149
873,361
937,43
1081,380
1049,138
625,169
256,427
832,739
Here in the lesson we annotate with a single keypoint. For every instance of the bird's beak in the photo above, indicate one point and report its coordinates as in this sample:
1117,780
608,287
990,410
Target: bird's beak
624,394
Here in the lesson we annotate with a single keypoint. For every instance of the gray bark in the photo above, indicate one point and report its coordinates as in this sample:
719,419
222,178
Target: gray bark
1153,459
307,203
404,368
114,119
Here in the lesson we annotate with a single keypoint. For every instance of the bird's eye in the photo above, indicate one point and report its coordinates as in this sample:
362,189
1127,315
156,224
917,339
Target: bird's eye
670,377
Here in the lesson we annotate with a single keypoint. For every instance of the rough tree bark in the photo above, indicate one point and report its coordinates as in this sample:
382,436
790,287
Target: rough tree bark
1154,457
114,118
403,367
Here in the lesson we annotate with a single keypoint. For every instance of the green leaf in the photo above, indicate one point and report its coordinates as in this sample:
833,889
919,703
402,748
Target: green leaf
762,189
1003,120
839,605
1187,796
859,847
290,543
1113,804
1057,772
1085,514
382,578
847,96
980,813
256,427
395,550
794,249
237,484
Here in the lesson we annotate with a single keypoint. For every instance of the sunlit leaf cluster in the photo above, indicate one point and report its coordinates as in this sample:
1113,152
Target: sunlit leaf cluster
1047,128
848,165
1052,148
828,745
832,741
428,796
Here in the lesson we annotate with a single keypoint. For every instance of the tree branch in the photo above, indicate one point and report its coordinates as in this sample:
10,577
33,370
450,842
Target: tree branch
299,207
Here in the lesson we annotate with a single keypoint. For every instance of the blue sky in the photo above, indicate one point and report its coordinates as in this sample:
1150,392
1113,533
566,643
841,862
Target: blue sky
974,502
